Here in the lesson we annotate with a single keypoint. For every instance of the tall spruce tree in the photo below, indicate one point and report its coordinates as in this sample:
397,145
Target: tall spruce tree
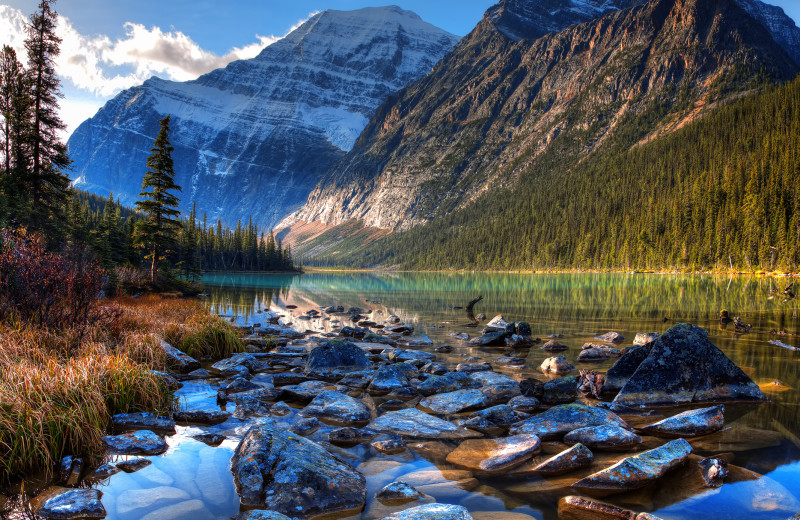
14,109
158,232
45,182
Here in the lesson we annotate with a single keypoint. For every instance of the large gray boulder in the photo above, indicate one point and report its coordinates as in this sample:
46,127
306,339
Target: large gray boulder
683,366
448,382
338,407
336,359
293,476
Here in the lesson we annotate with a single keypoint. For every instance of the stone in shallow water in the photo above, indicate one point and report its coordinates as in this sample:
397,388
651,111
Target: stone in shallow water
143,421
591,352
142,442
492,456
351,436
74,504
737,438
624,367
497,388
292,475
636,471
523,404
577,456
581,508
691,423
398,492
554,346
212,439
179,360
133,465
560,390
683,366
557,365
604,437
390,378
611,337
560,420
449,382
105,471
306,391
643,338
389,446
417,424
305,426
336,358
201,416
133,499
454,402
714,471
336,406
432,512
260,515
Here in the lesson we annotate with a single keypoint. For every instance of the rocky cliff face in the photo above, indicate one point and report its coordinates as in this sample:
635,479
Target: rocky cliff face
255,137
498,103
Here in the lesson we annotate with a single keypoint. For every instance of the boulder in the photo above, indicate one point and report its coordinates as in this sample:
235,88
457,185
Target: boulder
611,337
557,365
336,406
490,339
604,437
560,420
143,421
432,512
498,323
493,456
448,382
390,378
683,366
336,359
178,360
473,367
502,415
306,391
578,456
210,417
454,402
523,328
417,424
524,404
643,338
554,346
560,390
292,475
636,471
73,504
624,367
592,352
496,387
142,442
690,424
349,436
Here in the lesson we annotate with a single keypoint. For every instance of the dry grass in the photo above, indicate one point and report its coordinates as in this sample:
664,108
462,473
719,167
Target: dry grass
58,390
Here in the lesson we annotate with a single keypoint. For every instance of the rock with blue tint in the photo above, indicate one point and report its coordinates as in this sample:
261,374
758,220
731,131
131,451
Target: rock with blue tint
690,424
294,476
305,427
636,471
432,512
336,359
560,420
73,504
398,492
391,378
578,456
454,402
496,387
143,421
417,424
604,437
448,382
178,360
338,407
624,367
142,442
560,390
210,417
238,365
260,515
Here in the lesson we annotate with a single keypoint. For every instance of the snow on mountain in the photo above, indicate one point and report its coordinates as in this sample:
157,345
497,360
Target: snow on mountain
255,137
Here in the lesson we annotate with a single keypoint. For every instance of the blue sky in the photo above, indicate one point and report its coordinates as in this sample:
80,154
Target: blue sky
112,45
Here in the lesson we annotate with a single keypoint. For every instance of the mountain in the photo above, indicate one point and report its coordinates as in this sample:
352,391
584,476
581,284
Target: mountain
501,107
255,137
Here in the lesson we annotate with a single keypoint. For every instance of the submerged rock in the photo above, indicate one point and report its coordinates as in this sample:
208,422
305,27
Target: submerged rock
336,406
415,423
604,437
432,512
492,456
636,471
560,420
683,366
292,475
690,424
557,365
73,504
336,358
142,442
578,456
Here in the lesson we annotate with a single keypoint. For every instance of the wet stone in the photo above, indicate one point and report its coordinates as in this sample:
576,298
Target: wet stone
398,492
578,456
305,427
74,504
336,406
392,404
554,346
497,388
200,373
390,378
454,402
490,339
473,367
624,367
604,437
560,390
260,515
435,368
305,392
179,360
237,385
611,337
557,365
714,471
524,404
133,465
349,436
636,471
269,463
448,382
358,379
336,358
142,442
446,349
400,355
510,361
288,378
389,446
501,415
105,471
560,420
643,338
690,424
210,417
211,439
237,365
492,456
415,423
591,352
143,421
582,508
432,512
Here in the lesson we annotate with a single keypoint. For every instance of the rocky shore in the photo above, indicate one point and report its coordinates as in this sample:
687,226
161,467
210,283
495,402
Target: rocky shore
316,417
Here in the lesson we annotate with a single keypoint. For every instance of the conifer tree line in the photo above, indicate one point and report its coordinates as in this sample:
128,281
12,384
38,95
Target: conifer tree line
35,191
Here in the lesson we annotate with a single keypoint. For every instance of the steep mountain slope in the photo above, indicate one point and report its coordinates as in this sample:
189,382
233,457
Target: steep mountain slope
255,137
496,107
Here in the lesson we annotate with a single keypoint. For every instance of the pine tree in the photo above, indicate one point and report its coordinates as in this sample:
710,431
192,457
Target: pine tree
14,109
46,181
157,233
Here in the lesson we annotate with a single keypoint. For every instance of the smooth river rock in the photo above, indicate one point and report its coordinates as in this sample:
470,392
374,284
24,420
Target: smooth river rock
336,358
449,382
560,390
636,471
210,417
398,492
391,378
592,352
604,437
336,406
292,475
557,365
611,337
578,456
143,421
683,366
454,402
73,504
690,424
560,420
142,442
493,456
432,512
497,388
178,360
582,508
417,424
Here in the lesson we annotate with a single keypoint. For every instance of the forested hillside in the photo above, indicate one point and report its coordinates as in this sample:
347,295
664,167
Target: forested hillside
720,192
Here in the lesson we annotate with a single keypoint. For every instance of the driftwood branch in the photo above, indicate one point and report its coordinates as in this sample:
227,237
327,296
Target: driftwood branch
472,303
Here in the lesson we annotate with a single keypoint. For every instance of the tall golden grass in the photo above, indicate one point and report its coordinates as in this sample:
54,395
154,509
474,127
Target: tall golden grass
58,390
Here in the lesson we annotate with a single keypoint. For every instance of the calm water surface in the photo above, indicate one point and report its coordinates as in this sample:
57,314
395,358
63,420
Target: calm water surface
193,481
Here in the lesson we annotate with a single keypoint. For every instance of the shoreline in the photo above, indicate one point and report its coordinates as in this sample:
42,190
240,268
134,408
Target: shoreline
759,273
